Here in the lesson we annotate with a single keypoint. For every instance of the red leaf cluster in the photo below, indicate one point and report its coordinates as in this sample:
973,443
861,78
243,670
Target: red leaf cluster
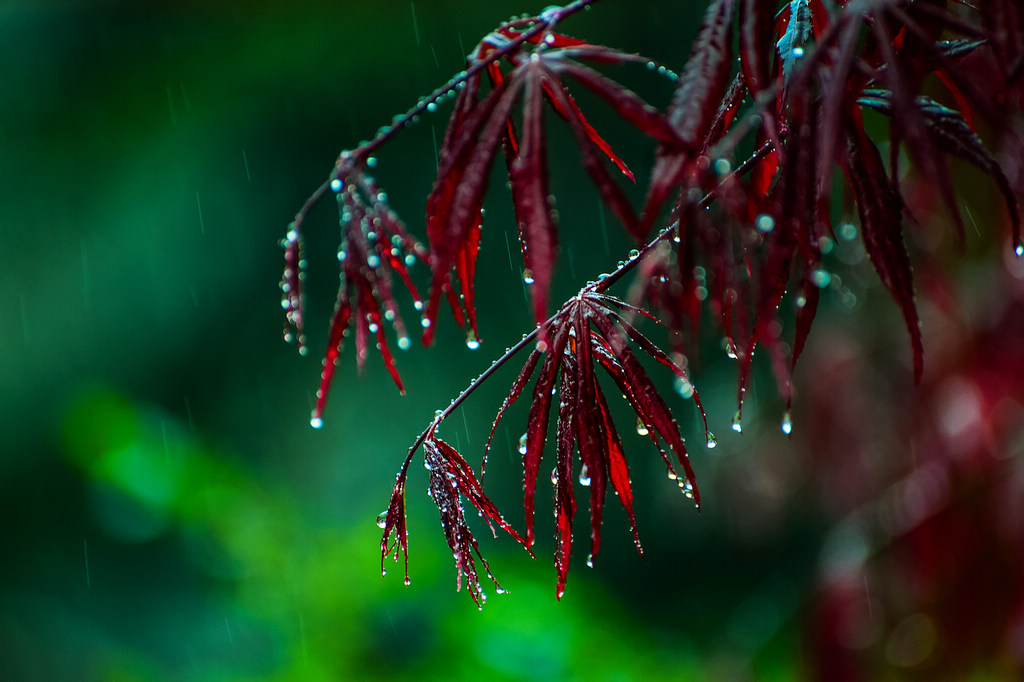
748,187
451,479
374,244
482,123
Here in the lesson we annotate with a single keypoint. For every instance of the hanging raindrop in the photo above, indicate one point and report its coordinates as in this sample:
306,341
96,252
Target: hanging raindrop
641,427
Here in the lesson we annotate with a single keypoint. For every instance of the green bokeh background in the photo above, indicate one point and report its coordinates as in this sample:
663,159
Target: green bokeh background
168,513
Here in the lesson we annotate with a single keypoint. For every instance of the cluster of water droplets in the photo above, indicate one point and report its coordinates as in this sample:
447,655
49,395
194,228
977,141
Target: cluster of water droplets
662,70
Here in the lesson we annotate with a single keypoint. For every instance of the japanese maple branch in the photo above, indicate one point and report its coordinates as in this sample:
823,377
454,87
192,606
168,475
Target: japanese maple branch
597,287
349,159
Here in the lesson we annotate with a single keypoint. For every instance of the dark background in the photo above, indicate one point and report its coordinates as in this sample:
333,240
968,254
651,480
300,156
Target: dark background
168,513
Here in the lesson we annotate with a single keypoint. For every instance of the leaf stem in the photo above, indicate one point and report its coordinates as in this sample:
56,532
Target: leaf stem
602,284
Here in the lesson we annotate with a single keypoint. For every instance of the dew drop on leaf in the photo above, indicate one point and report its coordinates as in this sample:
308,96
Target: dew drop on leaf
737,424
635,253
554,477
522,444
472,342
712,441
382,519
787,424
687,489
672,476
641,427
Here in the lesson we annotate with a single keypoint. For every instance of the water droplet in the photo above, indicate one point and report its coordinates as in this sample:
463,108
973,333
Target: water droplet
425,322
410,260
336,185
407,581
821,278
418,305
584,475
404,342
847,231
672,476
371,161
635,253
550,13
722,166
590,560
712,441
542,346
382,519
737,423
426,464
316,422
373,328
527,276
787,423
684,388
764,223
373,260
641,427
798,52
1019,250
522,444
472,342
554,476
